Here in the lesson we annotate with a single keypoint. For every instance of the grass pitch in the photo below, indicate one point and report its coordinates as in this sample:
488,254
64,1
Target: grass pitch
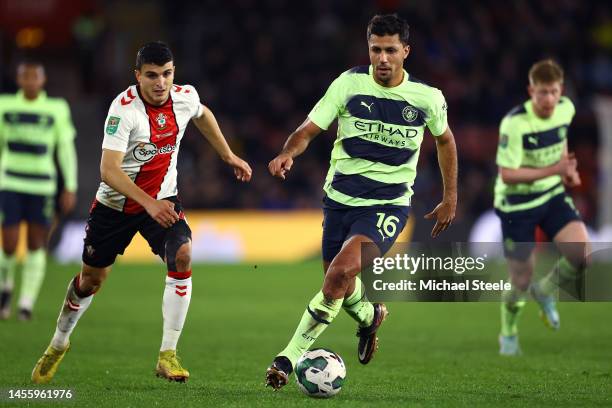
431,355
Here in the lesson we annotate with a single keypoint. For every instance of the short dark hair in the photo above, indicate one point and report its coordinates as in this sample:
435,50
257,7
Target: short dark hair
389,24
30,61
155,52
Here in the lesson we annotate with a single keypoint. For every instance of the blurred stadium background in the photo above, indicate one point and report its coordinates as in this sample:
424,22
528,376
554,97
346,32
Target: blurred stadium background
261,66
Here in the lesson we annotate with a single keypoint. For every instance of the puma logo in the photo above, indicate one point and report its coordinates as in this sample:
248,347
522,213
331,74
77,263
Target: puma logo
367,106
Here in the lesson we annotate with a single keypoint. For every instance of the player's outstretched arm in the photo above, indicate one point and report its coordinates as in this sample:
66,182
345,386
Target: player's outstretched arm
161,211
208,126
67,159
566,168
295,145
66,156
444,213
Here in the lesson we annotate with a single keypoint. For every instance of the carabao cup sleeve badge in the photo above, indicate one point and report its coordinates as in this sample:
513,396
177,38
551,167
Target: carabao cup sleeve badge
112,125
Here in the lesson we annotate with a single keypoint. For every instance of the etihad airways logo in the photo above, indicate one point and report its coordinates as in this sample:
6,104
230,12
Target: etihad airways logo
390,130
144,152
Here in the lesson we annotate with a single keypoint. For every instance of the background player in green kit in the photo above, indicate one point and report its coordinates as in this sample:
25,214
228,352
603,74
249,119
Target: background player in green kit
33,127
534,168
382,113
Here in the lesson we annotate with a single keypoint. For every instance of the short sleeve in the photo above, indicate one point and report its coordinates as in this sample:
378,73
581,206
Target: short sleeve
5,104
1,119
330,105
437,122
117,128
510,147
64,126
195,106
570,108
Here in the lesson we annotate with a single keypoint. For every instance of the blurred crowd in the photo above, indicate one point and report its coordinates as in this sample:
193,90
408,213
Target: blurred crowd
262,65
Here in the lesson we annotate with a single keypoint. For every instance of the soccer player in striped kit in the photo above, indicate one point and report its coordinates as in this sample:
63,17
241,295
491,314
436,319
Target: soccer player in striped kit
382,112
535,167
33,127
138,193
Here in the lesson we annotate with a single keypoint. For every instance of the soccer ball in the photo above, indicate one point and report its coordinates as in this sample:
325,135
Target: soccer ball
320,373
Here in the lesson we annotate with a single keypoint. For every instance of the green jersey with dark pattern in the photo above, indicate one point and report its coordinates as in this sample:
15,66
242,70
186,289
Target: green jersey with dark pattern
526,140
31,131
380,130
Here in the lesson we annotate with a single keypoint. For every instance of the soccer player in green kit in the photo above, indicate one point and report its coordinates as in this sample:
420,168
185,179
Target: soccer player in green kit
382,113
33,127
534,168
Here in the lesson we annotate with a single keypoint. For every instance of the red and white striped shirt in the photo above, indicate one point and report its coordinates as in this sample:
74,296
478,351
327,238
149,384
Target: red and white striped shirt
150,137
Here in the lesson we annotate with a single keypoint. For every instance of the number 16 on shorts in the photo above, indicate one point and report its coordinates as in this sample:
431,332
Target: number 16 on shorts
387,225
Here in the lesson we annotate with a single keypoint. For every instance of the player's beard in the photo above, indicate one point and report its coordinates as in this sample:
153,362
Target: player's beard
384,76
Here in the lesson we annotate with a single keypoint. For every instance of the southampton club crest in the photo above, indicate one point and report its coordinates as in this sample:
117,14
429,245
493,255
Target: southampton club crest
409,114
161,121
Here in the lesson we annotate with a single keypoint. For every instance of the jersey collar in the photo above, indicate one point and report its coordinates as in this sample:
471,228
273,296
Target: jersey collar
404,80
529,109
166,103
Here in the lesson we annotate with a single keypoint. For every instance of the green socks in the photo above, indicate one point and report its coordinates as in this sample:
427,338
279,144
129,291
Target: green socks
513,300
33,275
7,272
562,273
512,305
318,315
358,306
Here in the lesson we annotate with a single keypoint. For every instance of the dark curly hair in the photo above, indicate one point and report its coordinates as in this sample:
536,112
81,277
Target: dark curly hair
389,24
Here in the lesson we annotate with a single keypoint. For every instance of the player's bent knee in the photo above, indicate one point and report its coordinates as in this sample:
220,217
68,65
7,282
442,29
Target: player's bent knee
522,283
178,253
183,258
340,274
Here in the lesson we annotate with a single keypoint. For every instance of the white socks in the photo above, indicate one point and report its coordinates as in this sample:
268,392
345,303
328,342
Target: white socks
72,310
177,295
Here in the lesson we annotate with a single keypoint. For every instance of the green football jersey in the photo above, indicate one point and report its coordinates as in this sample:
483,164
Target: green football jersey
30,133
380,130
526,140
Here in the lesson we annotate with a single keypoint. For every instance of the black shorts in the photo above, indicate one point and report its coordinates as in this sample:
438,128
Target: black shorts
109,232
32,208
519,226
382,224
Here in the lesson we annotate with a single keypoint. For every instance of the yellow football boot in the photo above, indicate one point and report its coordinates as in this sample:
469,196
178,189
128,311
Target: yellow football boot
169,367
47,365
